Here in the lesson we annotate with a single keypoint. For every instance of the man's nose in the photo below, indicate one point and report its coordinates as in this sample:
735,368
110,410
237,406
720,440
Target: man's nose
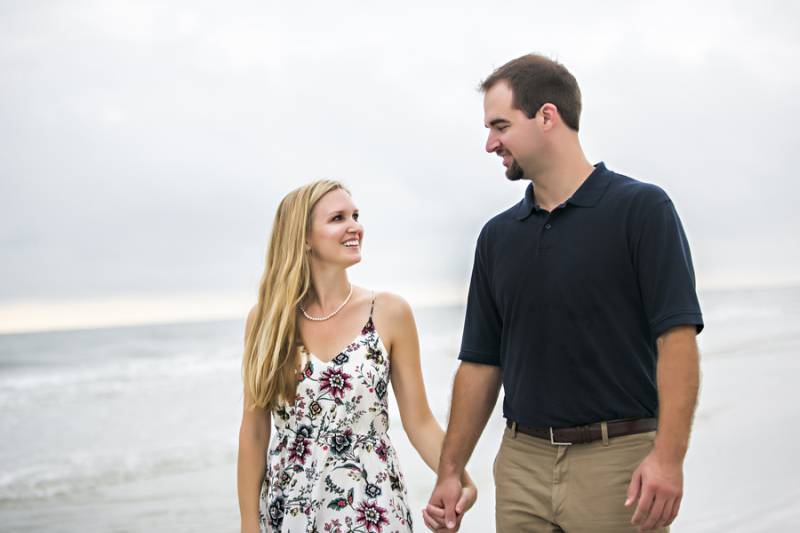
492,143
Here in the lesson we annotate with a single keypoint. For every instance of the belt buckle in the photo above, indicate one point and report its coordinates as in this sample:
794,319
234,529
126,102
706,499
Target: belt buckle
553,441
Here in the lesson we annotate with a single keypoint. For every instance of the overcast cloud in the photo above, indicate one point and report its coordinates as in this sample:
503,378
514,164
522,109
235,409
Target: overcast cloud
145,145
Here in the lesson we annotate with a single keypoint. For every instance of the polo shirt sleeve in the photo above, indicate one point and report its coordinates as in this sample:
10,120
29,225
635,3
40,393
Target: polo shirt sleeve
480,342
665,271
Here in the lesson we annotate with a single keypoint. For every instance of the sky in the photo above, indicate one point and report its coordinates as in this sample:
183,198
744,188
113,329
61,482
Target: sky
144,146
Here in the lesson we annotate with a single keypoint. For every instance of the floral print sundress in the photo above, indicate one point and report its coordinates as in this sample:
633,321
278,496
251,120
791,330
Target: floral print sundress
331,466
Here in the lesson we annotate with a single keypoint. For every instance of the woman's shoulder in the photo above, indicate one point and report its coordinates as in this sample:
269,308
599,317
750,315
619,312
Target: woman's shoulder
391,304
393,317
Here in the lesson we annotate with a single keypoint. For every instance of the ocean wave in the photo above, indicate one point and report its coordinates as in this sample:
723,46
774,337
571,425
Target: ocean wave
16,387
80,473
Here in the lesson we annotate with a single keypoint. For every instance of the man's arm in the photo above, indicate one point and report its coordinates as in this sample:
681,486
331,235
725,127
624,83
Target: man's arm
658,481
475,392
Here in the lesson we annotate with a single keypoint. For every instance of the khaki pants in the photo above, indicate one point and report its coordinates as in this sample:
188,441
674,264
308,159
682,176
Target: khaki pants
577,488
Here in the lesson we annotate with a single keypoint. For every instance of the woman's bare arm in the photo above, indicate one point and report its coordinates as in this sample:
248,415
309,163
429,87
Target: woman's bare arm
422,428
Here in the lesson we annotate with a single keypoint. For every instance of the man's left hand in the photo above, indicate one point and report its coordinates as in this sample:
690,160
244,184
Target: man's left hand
658,485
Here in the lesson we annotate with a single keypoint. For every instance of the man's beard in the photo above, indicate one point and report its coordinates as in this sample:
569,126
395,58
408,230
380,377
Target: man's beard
514,172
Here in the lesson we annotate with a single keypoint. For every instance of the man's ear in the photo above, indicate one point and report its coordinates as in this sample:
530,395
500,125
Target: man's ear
550,116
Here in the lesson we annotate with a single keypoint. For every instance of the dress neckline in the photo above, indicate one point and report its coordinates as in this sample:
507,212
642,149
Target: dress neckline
355,339
365,328
378,341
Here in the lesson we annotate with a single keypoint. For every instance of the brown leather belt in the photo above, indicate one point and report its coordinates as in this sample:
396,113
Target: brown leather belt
588,433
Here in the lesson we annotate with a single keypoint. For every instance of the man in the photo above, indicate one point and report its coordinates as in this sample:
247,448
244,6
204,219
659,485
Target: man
582,305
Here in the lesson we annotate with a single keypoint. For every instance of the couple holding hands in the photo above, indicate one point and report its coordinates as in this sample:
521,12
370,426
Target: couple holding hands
582,305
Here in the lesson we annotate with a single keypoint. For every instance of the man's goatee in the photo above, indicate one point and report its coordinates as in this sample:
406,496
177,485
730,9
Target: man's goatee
514,172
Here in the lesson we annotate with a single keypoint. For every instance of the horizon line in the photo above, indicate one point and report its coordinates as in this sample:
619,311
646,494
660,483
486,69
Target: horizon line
141,311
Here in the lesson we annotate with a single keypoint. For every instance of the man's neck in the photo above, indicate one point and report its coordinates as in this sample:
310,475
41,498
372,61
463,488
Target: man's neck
553,186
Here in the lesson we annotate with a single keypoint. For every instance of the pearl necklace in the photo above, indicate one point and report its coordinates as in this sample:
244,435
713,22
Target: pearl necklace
326,317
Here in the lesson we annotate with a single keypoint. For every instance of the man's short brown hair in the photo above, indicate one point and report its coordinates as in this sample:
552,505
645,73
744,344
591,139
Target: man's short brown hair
536,80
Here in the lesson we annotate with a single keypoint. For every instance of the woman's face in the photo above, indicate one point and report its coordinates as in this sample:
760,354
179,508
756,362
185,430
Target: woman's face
336,235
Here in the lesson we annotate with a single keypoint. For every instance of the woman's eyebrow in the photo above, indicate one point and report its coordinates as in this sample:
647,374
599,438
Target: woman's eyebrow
341,211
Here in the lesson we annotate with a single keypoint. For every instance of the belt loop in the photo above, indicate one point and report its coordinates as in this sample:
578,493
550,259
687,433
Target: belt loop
604,431
514,430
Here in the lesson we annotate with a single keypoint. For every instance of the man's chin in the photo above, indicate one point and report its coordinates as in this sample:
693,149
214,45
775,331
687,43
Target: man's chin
514,172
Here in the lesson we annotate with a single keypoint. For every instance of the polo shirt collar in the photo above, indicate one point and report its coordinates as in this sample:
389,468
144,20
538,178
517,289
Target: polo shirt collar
593,188
587,195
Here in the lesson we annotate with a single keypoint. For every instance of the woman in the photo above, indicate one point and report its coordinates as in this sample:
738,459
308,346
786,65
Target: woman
317,361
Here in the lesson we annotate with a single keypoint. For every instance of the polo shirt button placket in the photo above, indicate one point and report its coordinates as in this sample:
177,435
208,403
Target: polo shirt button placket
545,243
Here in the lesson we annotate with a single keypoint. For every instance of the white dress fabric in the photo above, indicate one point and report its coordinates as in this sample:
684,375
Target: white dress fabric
331,467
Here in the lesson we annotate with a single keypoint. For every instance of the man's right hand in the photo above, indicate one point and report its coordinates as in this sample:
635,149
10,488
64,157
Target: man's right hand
446,505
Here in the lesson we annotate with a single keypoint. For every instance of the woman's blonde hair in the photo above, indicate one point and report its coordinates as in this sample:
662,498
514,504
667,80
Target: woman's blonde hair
270,362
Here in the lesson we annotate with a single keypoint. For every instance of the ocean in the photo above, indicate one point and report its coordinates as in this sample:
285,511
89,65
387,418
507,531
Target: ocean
135,429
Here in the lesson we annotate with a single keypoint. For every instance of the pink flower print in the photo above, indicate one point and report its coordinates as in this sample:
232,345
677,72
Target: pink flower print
334,381
383,451
368,328
371,516
299,449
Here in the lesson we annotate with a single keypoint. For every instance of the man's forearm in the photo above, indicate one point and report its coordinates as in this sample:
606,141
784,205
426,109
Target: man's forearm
678,374
475,391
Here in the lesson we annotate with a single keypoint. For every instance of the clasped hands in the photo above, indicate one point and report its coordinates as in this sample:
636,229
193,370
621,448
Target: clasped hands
449,501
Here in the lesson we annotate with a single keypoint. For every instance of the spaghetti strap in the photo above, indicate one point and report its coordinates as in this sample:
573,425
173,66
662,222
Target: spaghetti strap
372,305
370,325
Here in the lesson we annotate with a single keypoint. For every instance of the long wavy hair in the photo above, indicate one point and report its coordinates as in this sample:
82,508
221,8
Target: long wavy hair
271,359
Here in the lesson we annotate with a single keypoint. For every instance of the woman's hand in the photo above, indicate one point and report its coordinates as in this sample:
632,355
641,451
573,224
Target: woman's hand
434,517
469,493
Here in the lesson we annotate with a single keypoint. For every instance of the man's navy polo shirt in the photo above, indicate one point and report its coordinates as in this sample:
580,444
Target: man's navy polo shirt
570,302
